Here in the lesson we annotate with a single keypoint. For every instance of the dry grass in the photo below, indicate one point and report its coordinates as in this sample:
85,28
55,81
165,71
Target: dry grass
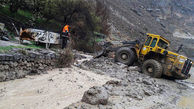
66,58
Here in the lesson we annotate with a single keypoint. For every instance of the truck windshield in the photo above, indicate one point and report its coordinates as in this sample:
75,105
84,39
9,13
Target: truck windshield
153,42
163,44
147,43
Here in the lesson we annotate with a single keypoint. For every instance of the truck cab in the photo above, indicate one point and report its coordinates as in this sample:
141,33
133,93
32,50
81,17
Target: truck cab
155,43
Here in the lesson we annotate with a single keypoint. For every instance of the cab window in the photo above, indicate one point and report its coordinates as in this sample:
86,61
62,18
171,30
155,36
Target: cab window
153,42
162,44
148,41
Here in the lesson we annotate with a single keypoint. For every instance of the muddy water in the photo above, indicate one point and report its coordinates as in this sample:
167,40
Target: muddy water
187,101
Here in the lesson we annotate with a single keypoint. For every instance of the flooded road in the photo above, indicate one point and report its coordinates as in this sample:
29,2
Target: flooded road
187,100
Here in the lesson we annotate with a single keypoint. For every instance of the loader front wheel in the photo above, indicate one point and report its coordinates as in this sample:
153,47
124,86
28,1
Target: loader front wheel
152,68
125,55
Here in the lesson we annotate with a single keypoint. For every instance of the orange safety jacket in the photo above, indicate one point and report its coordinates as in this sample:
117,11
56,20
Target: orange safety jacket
66,28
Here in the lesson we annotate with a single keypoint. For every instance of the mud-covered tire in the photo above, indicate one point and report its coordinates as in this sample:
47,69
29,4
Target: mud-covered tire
129,57
152,68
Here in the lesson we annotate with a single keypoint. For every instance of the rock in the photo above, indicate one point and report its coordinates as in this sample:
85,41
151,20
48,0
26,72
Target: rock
114,83
148,92
2,57
111,55
20,74
5,67
60,69
14,64
125,83
133,68
32,54
5,38
10,75
147,81
27,42
50,80
34,72
79,56
17,57
96,96
9,57
28,64
2,77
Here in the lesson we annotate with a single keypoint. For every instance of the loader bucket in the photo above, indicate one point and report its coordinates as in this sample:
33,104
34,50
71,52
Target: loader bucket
98,54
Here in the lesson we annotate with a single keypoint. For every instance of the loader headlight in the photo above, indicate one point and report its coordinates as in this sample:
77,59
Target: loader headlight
144,48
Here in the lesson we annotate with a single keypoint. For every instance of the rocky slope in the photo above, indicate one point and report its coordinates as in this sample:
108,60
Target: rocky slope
133,18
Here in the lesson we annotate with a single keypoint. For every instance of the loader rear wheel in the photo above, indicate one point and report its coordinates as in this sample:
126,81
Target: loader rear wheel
152,68
125,55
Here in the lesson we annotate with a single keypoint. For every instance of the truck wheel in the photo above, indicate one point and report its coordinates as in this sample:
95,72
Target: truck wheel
125,55
153,68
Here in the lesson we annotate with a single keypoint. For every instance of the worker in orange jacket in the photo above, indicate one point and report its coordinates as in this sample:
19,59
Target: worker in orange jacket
65,34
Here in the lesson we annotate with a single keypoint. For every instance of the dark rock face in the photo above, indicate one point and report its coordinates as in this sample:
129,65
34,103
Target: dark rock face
96,96
21,62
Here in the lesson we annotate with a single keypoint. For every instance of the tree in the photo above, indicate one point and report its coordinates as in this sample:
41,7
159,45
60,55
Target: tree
14,5
103,12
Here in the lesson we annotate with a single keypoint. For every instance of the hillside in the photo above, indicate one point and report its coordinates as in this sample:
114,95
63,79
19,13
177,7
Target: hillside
129,19
89,73
134,18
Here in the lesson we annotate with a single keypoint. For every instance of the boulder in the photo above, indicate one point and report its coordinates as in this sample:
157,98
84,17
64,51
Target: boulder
2,77
21,74
5,38
96,96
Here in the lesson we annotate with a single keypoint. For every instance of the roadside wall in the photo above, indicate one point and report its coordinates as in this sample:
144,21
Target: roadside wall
18,65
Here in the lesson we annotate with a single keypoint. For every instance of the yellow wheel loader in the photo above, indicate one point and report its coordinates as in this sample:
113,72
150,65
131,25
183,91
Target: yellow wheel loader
156,60
154,57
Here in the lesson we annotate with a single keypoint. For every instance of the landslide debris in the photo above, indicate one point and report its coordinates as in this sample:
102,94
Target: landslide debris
133,83
132,90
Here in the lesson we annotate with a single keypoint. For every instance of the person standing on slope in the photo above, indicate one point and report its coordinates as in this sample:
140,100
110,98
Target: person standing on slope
65,34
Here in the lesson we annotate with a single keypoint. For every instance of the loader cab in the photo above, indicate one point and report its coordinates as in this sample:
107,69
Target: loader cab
155,43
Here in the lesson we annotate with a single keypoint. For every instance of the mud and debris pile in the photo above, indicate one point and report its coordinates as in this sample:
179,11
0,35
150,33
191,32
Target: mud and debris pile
133,83
131,88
